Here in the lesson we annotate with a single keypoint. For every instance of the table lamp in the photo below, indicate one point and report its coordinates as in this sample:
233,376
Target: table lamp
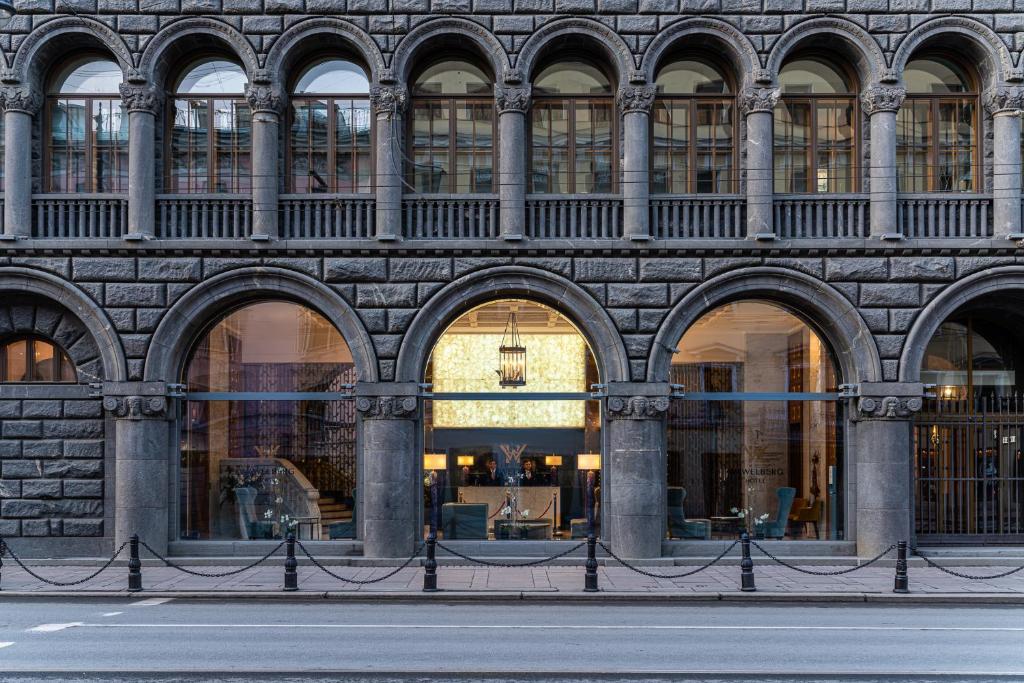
588,461
465,460
435,461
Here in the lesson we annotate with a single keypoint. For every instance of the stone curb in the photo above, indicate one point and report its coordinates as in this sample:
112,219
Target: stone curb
602,597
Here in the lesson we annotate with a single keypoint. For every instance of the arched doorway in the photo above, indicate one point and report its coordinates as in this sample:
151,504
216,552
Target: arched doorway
512,436
268,438
968,457
756,442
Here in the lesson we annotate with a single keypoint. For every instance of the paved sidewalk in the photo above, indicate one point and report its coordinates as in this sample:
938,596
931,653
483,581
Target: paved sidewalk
717,582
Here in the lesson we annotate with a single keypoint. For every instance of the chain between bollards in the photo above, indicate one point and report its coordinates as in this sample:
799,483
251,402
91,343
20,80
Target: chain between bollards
134,565
430,566
746,565
590,582
902,582
291,565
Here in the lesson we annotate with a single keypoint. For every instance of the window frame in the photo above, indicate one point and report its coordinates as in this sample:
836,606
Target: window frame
812,100
53,97
171,184
59,357
570,102
692,99
296,98
935,101
451,103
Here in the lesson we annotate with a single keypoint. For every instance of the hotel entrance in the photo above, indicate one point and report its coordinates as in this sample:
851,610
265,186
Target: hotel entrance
512,433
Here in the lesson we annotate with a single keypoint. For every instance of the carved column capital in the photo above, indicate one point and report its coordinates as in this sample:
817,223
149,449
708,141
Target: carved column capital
140,97
635,99
20,98
636,407
512,99
1005,99
388,100
882,98
387,407
136,407
264,98
888,407
758,99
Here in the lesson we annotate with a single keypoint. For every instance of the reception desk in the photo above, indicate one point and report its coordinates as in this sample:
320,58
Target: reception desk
541,502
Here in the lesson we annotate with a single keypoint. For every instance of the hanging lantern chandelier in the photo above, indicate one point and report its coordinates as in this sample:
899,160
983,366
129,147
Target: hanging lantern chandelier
512,356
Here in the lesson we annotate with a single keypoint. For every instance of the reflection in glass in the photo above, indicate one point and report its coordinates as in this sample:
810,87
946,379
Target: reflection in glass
507,469
778,457
33,359
263,466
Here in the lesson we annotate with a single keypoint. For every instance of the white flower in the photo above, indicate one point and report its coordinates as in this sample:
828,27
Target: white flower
734,510
526,513
742,514
268,514
279,500
506,510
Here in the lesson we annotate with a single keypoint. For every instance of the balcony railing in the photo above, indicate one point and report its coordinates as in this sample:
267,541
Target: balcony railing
574,217
450,217
698,217
197,216
945,215
70,216
327,216
822,215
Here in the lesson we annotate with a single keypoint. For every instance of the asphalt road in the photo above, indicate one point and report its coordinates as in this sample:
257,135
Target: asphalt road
243,640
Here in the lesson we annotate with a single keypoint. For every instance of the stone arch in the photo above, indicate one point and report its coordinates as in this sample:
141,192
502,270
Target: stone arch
1001,280
855,45
977,42
830,312
591,34
183,324
291,47
703,32
54,39
64,313
174,42
482,41
480,287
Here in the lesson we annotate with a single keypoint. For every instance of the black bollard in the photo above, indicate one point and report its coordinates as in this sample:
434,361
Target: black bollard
291,565
134,565
746,565
430,566
590,582
902,583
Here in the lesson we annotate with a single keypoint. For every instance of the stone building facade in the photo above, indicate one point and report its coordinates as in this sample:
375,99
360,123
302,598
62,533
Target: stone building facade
83,465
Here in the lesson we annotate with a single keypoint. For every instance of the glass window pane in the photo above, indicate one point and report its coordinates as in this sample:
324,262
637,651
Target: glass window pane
935,76
689,77
17,361
813,75
333,77
571,77
213,77
89,77
453,77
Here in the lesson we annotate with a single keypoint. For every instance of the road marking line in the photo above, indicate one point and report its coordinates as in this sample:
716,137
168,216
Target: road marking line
112,614
3,645
594,627
151,602
53,628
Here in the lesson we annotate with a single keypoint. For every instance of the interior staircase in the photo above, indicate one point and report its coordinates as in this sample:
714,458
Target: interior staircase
331,511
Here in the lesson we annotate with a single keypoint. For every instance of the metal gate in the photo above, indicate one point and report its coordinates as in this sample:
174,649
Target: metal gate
969,471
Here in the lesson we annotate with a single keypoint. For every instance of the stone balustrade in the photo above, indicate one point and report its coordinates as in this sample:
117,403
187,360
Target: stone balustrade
574,216
698,216
822,215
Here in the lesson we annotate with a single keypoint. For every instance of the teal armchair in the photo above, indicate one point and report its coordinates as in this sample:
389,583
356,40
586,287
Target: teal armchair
678,525
776,528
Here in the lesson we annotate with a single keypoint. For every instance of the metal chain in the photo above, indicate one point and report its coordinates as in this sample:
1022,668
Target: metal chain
210,575
61,584
653,575
830,573
971,577
361,582
507,565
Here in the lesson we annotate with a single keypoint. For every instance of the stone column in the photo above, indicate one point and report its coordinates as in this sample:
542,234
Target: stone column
388,104
1005,103
634,479
512,104
635,104
20,104
142,102
884,414
390,495
266,105
141,493
881,103
758,106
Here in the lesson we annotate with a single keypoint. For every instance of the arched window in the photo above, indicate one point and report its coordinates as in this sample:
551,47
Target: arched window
87,134
573,136
693,129
937,128
211,130
34,359
268,440
816,128
331,149
453,128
